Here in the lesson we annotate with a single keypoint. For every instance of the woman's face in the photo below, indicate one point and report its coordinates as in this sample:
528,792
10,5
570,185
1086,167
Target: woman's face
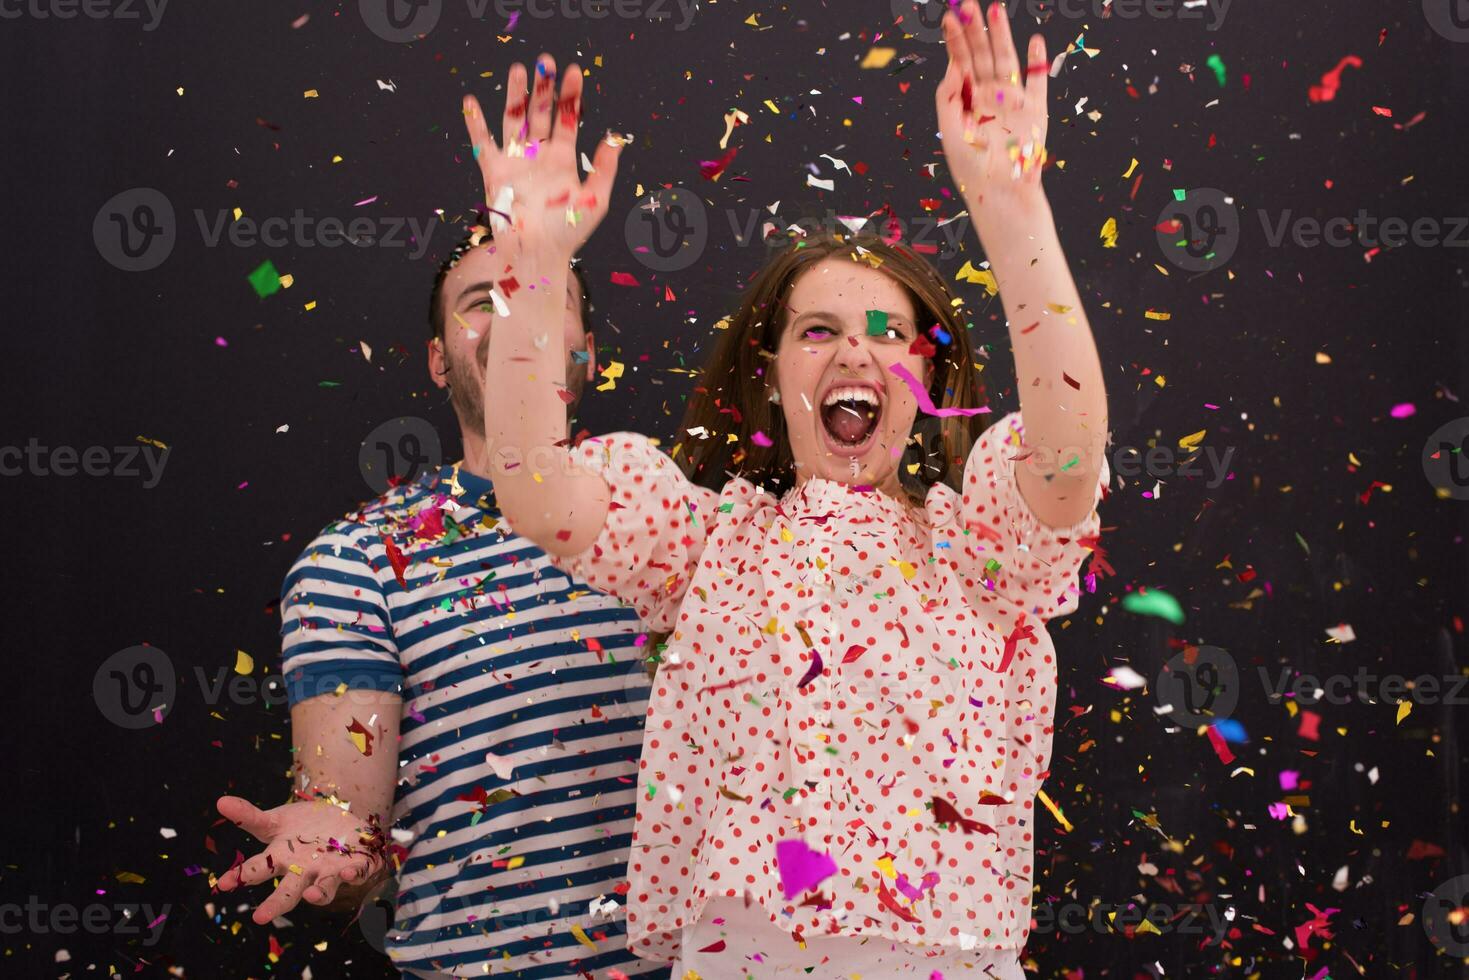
847,415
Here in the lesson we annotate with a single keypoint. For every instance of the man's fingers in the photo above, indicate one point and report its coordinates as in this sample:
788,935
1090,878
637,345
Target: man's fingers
245,815
543,97
517,107
286,897
568,106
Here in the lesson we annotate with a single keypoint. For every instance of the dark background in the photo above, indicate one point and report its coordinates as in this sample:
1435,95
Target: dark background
99,356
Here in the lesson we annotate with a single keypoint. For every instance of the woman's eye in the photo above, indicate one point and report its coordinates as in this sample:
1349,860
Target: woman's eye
484,306
806,334
893,333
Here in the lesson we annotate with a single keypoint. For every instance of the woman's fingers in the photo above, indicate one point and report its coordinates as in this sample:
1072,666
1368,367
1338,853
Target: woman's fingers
982,62
481,140
513,127
597,190
322,890
1002,44
568,106
1037,68
543,98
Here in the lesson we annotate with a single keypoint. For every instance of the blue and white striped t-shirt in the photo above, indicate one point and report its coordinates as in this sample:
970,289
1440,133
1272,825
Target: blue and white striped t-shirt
523,704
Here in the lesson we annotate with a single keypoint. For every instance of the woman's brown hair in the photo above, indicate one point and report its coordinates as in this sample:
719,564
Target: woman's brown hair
732,396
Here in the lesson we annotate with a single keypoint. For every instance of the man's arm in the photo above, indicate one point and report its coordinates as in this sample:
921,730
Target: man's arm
346,746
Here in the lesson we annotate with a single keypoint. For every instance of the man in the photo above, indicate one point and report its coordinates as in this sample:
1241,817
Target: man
445,679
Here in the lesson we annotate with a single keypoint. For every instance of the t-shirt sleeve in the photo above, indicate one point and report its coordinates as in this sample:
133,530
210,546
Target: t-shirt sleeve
335,624
657,525
1009,550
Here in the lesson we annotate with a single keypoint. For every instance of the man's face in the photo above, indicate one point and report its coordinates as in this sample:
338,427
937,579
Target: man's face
469,316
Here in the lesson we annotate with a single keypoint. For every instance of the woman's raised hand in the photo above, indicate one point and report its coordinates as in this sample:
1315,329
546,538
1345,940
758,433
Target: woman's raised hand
994,127
536,198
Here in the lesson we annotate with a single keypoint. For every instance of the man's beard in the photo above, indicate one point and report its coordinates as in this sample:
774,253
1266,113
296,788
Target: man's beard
467,388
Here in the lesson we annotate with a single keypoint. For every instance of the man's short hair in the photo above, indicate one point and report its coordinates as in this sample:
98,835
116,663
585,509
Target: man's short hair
436,312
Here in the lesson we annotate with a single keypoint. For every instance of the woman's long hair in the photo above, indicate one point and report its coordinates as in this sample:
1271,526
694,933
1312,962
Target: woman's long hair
733,397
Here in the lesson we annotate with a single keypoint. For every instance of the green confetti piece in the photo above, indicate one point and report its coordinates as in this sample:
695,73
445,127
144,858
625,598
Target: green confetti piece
1179,193
725,508
877,323
1154,602
1070,463
328,384
265,280
1302,542
991,566
790,793
1217,64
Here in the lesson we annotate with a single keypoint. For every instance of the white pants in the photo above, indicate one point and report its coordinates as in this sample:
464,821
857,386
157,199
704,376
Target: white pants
749,933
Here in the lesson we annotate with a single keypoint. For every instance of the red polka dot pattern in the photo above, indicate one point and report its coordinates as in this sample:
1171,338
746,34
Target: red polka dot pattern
751,739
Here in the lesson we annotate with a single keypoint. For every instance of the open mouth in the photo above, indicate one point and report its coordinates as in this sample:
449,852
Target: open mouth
850,414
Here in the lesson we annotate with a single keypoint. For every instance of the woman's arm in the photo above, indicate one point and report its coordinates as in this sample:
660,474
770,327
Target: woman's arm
540,214
994,140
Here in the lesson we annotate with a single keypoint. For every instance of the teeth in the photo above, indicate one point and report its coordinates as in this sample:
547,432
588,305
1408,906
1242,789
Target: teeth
852,394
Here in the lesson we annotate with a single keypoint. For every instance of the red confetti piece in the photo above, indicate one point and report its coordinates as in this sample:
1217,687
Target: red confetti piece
854,652
1331,81
624,279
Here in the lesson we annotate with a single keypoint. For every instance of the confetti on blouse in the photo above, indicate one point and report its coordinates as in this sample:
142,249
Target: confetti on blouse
829,671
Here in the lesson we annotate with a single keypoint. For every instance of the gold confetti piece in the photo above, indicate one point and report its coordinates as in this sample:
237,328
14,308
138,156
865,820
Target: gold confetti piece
583,938
885,865
312,93
878,57
771,106
244,663
980,277
1322,357
359,739
1157,315
611,372
1192,440
1055,811
1131,168
1058,308
514,862
130,878
1109,231
311,305
1403,708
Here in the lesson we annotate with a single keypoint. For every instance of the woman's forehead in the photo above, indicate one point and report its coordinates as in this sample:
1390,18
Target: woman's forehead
849,289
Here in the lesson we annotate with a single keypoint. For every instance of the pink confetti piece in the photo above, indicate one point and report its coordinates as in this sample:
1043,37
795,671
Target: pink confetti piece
812,673
1404,410
761,439
925,403
368,200
801,869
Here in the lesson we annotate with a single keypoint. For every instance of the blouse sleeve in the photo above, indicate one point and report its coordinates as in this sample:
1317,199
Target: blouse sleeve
657,524
1007,549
